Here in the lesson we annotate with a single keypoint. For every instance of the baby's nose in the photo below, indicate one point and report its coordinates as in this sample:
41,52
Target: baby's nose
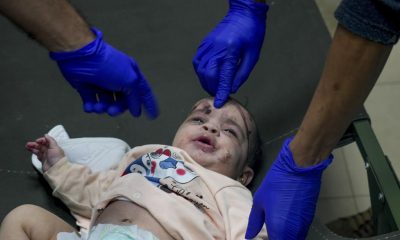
210,128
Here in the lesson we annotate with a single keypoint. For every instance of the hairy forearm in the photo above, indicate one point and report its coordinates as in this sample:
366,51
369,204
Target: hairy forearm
352,67
53,23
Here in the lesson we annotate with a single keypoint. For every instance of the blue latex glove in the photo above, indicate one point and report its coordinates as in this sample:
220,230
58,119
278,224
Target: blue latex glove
287,198
225,58
106,79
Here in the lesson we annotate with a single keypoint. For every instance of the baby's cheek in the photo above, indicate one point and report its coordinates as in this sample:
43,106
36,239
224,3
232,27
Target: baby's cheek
226,158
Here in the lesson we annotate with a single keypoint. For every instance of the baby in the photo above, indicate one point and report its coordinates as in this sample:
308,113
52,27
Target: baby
194,189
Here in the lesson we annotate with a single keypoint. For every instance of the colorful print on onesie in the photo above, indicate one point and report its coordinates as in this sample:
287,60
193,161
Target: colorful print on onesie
164,170
159,165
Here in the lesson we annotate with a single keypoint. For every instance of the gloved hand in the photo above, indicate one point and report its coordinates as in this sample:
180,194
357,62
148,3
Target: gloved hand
106,79
225,58
287,198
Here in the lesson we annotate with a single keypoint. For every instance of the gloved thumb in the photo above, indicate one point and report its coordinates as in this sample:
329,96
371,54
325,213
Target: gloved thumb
256,222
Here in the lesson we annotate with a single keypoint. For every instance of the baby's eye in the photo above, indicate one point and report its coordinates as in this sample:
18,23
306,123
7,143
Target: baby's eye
197,120
231,132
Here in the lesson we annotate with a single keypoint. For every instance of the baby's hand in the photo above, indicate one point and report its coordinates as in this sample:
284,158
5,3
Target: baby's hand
47,151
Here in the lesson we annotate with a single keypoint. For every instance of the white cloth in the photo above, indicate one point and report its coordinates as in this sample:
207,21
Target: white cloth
97,153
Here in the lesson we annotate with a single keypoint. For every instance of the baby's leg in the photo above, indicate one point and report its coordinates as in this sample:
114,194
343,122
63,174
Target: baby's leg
29,222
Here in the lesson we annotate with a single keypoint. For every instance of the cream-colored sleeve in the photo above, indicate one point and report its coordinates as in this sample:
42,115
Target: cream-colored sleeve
235,205
77,186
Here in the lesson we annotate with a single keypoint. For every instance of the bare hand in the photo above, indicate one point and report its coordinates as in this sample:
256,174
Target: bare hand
47,151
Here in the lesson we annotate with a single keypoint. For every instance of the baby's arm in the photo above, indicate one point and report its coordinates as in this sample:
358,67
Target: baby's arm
75,184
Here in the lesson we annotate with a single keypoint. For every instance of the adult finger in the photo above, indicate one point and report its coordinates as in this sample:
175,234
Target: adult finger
211,75
256,222
104,100
118,106
227,73
213,68
201,73
246,66
202,50
209,69
88,96
133,102
132,92
147,97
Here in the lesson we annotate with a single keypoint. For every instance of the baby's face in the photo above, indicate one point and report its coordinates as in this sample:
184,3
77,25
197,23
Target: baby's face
217,139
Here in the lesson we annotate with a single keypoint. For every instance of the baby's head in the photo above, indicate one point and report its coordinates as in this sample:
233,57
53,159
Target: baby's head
223,140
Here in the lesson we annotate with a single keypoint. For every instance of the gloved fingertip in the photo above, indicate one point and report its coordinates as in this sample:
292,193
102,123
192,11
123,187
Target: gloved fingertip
114,111
256,222
235,88
249,235
252,232
153,113
88,107
151,107
150,103
218,103
220,99
99,108
134,105
195,63
135,111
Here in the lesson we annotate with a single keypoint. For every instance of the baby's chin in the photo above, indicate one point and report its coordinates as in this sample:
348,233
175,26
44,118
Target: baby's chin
204,159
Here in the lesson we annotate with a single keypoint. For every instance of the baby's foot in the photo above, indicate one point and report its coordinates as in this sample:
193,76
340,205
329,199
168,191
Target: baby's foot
47,151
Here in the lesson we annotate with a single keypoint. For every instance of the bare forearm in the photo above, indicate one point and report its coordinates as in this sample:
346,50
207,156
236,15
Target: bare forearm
352,67
53,23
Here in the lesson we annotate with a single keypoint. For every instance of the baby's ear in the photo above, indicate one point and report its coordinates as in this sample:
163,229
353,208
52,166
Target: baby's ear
247,176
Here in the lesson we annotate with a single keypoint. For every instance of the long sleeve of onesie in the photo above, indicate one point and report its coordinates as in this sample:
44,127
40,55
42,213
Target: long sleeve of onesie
77,186
378,21
235,210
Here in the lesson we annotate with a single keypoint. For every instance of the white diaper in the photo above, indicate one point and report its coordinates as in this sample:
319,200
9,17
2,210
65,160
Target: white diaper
111,232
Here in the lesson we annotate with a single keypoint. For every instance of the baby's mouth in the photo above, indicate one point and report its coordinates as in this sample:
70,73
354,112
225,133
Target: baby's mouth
206,144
